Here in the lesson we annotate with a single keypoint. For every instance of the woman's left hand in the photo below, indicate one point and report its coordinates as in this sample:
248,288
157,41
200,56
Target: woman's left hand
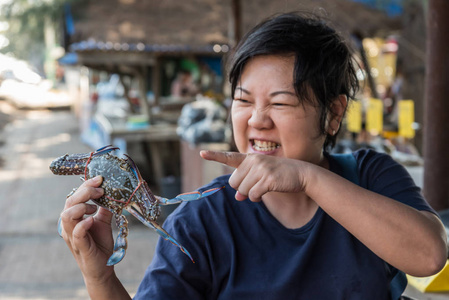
258,174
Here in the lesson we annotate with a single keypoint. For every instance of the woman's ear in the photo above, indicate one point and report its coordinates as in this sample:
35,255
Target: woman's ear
336,113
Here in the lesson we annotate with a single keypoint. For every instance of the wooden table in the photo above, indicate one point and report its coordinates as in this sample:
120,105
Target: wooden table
153,135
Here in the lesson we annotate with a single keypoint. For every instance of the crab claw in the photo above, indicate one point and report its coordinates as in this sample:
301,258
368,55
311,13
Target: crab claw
120,243
161,231
116,257
60,227
190,196
164,234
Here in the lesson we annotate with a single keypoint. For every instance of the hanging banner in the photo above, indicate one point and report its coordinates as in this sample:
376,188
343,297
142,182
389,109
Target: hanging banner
374,116
406,117
354,117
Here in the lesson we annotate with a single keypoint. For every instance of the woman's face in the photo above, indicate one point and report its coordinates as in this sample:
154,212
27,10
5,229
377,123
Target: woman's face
268,117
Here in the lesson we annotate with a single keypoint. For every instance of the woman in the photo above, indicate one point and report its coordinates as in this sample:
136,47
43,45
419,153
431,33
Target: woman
299,229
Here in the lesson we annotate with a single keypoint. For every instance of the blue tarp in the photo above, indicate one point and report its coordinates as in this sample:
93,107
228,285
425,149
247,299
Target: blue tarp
391,7
69,59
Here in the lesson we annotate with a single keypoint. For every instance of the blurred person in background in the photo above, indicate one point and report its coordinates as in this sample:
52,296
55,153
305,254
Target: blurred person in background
183,85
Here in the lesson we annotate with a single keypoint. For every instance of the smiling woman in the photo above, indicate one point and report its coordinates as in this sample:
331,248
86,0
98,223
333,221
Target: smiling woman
306,224
269,118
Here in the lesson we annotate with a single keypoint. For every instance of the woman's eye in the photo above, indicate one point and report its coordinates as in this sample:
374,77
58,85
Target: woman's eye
281,104
241,100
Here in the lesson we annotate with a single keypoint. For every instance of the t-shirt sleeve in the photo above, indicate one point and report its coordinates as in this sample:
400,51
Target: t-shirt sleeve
379,173
171,274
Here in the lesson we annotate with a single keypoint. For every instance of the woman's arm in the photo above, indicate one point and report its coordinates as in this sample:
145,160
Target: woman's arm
109,289
410,240
90,241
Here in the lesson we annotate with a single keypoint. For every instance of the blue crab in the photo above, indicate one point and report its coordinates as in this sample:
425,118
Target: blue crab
124,188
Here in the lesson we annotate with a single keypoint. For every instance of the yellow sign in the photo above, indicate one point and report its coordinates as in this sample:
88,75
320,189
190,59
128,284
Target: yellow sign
435,283
406,117
374,116
354,117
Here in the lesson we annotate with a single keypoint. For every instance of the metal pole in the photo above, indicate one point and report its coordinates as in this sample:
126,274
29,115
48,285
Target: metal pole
436,107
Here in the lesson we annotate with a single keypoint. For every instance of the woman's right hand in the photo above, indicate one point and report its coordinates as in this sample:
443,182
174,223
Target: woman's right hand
88,238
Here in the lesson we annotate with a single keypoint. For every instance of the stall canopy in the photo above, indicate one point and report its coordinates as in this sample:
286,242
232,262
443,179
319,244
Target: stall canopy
131,36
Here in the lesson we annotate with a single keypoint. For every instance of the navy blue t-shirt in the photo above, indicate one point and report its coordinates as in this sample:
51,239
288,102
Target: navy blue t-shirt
242,252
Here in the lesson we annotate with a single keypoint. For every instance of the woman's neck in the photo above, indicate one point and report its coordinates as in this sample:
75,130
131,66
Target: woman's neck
293,210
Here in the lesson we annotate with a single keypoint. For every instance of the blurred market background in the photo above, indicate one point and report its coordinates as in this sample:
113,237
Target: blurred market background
148,77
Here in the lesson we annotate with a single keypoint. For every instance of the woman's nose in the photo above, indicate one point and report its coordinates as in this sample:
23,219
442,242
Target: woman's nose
260,119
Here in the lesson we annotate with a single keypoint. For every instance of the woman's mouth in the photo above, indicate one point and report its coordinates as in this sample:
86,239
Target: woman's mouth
264,146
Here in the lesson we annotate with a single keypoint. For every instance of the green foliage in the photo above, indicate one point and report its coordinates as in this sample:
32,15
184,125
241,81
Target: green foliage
27,21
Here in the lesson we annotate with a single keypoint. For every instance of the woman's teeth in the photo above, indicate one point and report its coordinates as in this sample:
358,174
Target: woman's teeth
264,145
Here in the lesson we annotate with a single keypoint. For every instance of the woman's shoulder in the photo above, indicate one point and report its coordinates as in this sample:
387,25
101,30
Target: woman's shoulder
376,170
380,173
360,163
366,154
372,163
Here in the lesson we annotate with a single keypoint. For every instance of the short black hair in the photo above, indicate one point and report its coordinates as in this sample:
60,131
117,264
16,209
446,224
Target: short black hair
323,60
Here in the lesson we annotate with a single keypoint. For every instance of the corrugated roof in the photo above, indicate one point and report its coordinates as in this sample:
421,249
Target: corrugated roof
155,24
198,25
91,45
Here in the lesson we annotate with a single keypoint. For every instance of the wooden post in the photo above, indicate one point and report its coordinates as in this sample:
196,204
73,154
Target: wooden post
142,78
411,61
236,21
156,80
436,108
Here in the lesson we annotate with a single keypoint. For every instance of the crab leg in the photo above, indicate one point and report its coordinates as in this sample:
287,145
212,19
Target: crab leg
148,195
190,196
104,150
161,231
120,243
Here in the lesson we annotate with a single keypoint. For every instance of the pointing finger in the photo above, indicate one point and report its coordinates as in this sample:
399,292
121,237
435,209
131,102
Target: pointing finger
232,159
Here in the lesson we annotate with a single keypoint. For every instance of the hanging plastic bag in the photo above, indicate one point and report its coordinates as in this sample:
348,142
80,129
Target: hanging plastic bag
203,121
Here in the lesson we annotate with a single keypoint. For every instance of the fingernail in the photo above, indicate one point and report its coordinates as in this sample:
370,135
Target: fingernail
240,197
97,179
89,220
91,208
